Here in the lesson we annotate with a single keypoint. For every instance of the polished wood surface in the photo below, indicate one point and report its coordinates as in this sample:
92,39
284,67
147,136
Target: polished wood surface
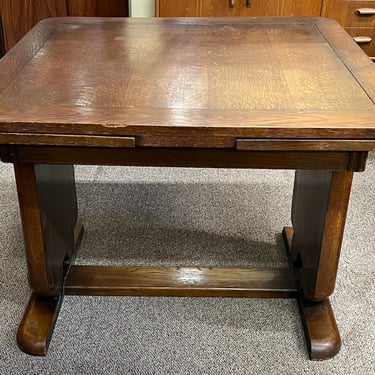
181,281
127,89
186,93
19,16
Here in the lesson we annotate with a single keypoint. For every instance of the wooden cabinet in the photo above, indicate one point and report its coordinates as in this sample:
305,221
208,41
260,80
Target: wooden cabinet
19,16
358,19
365,37
223,8
275,8
2,41
350,13
98,8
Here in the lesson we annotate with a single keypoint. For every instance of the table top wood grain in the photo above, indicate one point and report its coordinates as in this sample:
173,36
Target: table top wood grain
187,82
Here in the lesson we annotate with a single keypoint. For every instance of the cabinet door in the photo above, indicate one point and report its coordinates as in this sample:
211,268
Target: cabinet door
301,8
256,8
276,8
19,16
98,8
214,8
180,8
207,8
222,8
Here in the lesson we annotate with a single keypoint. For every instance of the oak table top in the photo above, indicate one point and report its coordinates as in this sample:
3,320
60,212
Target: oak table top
186,83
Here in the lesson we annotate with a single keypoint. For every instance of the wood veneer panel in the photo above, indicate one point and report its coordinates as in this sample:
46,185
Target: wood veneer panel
181,8
344,12
366,32
19,16
98,8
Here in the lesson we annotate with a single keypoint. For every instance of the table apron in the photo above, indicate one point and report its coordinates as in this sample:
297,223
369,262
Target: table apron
187,157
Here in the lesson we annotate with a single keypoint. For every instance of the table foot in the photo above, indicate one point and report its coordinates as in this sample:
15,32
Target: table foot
322,336
35,330
321,332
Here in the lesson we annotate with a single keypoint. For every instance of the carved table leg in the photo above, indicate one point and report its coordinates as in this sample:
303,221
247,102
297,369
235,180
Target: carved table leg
320,202
48,206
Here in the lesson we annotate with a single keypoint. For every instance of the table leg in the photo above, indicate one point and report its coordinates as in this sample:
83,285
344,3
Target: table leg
48,207
319,207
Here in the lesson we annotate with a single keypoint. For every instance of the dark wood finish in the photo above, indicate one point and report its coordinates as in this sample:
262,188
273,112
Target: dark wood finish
36,327
191,157
48,207
68,140
182,8
2,40
98,8
19,16
320,201
304,145
321,332
111,100
186,92
181,281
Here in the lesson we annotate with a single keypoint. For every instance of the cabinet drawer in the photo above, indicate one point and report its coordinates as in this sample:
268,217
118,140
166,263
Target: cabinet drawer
351,13
275,8
365,37
224,8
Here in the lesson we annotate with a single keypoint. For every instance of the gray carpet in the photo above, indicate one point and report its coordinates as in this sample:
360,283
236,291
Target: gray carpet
202,217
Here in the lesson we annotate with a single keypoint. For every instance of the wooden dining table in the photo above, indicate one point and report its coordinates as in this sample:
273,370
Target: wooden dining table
268,93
